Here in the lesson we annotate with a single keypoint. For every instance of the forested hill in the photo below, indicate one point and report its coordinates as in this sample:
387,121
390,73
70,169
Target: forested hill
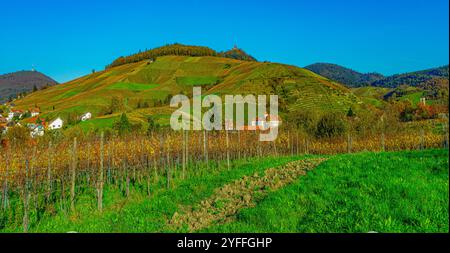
344,75
180,50
354,79
16,83
412,78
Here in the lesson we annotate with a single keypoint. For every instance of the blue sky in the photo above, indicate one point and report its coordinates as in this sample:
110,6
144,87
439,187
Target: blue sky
67,39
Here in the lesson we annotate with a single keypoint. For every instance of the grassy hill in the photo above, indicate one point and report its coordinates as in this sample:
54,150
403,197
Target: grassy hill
372,95
145,87
434,90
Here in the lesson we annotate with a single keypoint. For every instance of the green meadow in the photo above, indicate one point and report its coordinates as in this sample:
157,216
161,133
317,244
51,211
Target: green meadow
131,86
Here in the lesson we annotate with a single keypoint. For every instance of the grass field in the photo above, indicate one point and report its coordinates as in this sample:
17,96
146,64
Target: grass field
131,86
98,123
384,192
197,80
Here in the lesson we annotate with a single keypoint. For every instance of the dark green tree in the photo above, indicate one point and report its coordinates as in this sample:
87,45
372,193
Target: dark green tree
122,126
152,125
350,113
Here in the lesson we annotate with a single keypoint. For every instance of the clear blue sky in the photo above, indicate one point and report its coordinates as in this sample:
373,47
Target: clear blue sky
67,39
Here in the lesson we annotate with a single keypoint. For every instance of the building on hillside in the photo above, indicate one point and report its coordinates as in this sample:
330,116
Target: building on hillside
264,123
36,126
423,101
56,124
86,116
14,113
37,130
35,112
3,128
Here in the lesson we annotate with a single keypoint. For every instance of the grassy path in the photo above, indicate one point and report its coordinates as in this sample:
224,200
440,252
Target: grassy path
242,193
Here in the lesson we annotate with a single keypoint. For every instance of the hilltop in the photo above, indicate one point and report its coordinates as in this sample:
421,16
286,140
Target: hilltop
16,83
238,54
145,87
180,50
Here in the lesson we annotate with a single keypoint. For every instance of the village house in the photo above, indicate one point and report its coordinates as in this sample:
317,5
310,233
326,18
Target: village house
36,126
14,113
3,129
86,116
3,126
55,124
268,121
35,112
36,130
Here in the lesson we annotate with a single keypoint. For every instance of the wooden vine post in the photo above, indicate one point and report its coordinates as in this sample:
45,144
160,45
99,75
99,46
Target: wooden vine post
26,199
228,149
5,183
205,148
349,143
168,166
100,177
184,153
49,171
73,174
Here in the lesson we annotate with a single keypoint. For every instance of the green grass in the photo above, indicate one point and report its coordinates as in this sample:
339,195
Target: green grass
97,123
131,86
383,192
197,80
67,94
413,97
373,101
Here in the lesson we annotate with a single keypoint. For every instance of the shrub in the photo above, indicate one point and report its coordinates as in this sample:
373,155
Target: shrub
305,120
18,135
330,125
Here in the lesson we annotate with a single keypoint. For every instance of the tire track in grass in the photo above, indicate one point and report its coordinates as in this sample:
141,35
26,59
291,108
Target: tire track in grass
243,193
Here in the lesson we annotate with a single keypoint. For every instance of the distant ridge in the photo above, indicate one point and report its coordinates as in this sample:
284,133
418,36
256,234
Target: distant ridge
344,75
413,78
354,79
180,50
13,84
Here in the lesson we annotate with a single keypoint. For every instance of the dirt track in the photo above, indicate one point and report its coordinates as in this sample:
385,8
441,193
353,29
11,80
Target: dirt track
245,192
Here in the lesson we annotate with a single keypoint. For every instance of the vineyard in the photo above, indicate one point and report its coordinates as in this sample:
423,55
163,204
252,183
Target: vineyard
41,178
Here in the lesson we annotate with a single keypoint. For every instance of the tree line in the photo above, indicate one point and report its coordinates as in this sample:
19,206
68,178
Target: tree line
177,49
